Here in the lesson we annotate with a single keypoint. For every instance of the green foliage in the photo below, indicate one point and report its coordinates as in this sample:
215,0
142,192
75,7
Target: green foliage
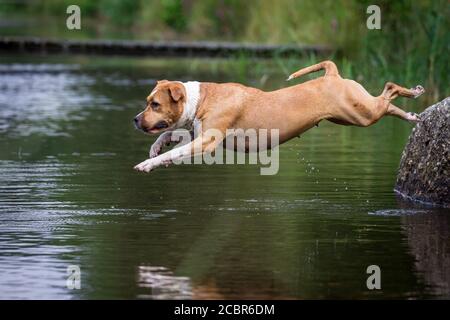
411,47
121,12
220,20
173,15
58,7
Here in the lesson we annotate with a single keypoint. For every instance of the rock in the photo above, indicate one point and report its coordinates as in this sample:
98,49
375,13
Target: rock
424,173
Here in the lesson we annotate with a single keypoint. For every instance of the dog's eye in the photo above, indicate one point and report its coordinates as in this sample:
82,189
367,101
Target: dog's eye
154,105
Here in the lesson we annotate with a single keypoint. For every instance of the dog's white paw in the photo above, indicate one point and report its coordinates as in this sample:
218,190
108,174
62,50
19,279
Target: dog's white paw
145,166
413,117
418,91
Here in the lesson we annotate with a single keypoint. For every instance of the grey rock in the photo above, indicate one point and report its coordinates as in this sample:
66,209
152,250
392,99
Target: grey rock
425,164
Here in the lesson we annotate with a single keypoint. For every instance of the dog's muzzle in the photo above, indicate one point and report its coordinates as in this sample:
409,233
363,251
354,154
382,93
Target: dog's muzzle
136,122
160,125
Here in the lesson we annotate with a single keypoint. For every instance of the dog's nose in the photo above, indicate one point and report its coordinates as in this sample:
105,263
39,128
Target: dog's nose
136,122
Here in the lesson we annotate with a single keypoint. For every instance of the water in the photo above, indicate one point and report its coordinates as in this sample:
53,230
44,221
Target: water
69,196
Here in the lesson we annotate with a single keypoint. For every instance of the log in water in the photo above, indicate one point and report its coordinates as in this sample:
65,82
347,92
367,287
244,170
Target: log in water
155,49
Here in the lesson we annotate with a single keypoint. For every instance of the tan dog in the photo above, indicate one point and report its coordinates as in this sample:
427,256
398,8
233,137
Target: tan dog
293,110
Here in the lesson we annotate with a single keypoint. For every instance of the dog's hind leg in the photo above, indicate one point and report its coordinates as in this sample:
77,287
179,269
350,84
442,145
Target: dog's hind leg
329,67
399,113
392,91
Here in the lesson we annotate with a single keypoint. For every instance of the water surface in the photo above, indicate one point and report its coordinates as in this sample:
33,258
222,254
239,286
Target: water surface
69,196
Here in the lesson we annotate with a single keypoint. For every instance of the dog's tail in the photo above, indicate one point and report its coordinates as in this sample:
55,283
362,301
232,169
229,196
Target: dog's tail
329,67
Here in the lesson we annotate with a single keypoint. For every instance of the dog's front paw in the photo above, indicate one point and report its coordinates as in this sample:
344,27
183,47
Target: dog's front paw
418,91
145,166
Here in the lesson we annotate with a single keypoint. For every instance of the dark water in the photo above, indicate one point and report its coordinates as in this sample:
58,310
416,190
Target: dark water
69,196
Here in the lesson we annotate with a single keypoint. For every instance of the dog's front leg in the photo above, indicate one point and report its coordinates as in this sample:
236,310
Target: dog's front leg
200,145
163,139
166,138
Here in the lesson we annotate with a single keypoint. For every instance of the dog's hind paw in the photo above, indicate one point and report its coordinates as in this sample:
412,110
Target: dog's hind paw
418,91
413,117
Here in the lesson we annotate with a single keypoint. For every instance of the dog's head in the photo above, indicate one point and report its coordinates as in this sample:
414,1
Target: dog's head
164,107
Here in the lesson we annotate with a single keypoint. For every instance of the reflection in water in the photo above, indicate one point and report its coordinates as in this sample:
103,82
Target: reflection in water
30,251
34,102
427,232
163,284
429,240
398,212
68,196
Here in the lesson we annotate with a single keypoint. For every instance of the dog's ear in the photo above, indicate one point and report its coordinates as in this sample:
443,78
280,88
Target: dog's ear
176,92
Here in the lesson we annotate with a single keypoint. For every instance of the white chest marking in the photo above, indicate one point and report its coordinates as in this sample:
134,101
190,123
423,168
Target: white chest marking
190,107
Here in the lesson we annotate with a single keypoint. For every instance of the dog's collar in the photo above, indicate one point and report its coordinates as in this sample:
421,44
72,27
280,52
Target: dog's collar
190,106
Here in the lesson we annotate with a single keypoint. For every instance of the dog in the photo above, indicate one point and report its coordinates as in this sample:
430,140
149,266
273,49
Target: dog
292,110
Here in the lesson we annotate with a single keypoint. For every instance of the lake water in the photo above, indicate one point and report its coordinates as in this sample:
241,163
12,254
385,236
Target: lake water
69,196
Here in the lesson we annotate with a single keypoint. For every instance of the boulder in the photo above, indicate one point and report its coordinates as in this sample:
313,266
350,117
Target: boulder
424,173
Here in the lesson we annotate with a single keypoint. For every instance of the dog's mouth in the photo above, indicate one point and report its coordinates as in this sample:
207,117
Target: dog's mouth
158,127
